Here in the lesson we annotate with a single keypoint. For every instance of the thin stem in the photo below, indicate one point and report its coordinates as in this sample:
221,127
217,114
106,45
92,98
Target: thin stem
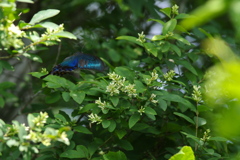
58,53
196,131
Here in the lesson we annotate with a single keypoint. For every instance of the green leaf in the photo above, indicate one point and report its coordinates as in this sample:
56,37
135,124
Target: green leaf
53,85
182,16
176,49
66,96
60,117
12,142
200,121
2,102
7,85
167,11
30,120
63,116
205,32
25,1
133,120
125,145
82,129
149,110
77,96
112,126
196,139
131,39
42,15
65,34
125,72
22,133
119,155
59,81
187,65
169,26
88,107
158,37
52,98
181,29
114,100
6,65
150,47
139,86
140,126
121,133
82,149
162,104
177,98
49,25
181,39
184,117
220,139
92,148
33,57
151,116
106,123
179,82
186,153
157,20
204,108
73,154
165,47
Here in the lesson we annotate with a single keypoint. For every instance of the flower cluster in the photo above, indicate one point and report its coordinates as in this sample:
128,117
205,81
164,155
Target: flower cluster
154,76
130,90
49,34
12,35
197,95
206,136
152,98
101,104
46,138
175,9
141,37
118,84
40,120
169,75
141,110
169,34
36,132
36,136
94,118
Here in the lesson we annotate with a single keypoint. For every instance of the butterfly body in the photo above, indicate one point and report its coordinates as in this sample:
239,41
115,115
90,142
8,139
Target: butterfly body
77,61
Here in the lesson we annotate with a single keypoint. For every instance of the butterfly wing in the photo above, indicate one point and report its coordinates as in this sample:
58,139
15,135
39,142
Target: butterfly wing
90,62
78,60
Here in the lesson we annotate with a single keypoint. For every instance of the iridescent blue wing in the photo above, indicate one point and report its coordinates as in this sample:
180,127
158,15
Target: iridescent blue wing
91,62
78,60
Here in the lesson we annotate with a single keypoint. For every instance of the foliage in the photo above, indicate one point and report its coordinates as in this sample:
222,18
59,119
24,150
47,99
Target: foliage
148,107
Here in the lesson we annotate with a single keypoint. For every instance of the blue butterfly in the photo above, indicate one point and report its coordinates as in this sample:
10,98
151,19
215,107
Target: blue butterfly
77,61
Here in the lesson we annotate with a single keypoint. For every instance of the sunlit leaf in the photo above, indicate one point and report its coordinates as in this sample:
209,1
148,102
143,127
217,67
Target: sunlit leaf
169,26
65,34
131,39
42,15
25,1
186,153
167,11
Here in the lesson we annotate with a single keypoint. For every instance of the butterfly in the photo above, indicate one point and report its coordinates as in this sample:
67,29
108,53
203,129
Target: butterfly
77,61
